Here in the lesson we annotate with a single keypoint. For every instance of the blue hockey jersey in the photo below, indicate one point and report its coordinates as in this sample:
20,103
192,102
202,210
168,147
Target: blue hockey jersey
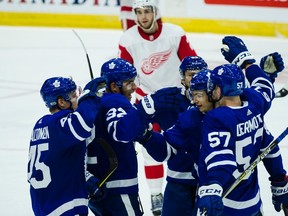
232,138
56,168
119,123
181,131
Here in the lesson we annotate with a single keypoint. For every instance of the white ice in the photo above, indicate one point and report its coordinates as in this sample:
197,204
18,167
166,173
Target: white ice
30,55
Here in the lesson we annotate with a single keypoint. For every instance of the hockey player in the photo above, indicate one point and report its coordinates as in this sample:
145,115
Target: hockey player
127,15
120,124
178,196
57,148
234,135
156,50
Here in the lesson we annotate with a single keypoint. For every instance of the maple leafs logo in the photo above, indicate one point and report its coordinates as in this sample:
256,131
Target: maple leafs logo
155,61
56,84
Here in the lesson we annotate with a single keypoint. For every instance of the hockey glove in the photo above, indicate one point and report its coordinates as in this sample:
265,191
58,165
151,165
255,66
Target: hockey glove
94,192
235,51
145,136
210,202
272,64
163,99
94,88
279,193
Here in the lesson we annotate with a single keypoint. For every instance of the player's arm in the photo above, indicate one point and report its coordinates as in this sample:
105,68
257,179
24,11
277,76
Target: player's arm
220,163
124,123
235,51
124,54
278,176
185,48
80,122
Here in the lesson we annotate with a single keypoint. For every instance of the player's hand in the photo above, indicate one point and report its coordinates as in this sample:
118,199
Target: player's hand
94,191
235,51
94,88
163,99
210,200
279,191
272,64
145,135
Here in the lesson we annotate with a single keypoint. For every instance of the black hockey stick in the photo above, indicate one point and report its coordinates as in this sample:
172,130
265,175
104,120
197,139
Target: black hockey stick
260,157
281,93
113,161
87,57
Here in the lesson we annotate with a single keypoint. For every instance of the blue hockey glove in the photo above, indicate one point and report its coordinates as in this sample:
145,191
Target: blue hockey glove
163,99
272,64
94,192
279,193
235,51
210,202
94,88
145,135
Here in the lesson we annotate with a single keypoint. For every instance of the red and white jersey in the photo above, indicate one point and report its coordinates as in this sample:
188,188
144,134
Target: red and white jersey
157,56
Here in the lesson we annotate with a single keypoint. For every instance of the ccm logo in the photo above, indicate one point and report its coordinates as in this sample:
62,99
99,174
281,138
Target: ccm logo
210,191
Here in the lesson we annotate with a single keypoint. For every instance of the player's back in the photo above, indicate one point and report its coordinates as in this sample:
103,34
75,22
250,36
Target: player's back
56,157
234,141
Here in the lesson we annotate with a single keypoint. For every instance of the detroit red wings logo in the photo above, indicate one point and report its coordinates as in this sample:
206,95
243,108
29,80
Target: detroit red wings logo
155,61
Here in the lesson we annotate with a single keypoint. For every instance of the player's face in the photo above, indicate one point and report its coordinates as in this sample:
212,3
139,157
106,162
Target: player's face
188,77
128,88
200,99
74,96
145,17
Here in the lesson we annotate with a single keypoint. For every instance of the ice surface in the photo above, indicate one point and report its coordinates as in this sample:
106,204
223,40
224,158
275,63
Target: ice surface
30,55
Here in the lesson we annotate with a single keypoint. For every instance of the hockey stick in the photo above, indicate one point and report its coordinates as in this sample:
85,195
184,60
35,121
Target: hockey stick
113,161
260,157
285,210
87,57
281,93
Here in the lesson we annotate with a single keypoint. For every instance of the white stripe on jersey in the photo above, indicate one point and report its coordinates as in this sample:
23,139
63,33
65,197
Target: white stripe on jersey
82,122
242,204
214,153
127,204
179,175
73,131
122,183
219,163
69,205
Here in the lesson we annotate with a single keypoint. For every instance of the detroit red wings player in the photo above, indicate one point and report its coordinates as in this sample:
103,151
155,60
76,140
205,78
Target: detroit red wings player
127,15
156,50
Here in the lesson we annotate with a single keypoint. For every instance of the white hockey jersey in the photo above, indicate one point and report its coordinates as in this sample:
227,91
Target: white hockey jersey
156,56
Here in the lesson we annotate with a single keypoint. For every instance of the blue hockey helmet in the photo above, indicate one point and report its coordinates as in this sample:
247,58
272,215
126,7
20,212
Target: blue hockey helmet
117,70
230,78
195,63
56,87
201,81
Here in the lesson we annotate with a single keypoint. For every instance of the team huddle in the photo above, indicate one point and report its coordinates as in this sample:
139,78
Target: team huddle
208,124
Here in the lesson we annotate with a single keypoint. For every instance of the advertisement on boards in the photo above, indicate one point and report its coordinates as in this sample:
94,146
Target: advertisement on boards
260,3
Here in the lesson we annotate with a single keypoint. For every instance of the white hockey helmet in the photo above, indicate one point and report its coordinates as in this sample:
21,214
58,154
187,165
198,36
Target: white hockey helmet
144,3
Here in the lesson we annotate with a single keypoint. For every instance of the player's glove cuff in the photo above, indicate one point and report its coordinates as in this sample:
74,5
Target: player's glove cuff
243,59
210,190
